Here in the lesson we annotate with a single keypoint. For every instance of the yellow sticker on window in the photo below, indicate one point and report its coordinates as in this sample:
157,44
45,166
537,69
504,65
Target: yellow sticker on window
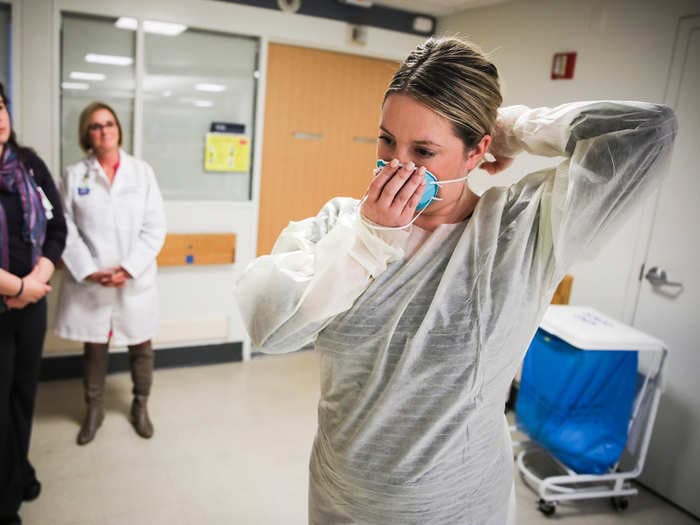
226,152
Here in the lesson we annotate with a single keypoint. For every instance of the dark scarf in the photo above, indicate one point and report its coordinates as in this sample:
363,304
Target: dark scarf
14,178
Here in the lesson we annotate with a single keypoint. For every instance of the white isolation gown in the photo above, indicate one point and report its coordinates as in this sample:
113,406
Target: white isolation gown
417,353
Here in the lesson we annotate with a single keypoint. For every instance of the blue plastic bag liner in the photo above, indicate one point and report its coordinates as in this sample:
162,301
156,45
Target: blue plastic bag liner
576,403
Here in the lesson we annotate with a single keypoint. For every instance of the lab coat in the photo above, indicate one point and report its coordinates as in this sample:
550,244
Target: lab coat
420,334
122,224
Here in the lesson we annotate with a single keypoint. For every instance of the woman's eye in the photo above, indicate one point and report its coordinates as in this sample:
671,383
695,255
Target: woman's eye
385,139
424,152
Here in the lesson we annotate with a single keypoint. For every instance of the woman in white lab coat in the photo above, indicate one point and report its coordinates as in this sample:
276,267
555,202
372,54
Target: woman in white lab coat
116,227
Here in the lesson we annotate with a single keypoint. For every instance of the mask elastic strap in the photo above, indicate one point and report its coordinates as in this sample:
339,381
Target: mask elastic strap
451,181
440,183
461,179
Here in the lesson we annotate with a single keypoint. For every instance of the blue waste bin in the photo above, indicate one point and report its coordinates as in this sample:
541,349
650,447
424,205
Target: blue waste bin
577,403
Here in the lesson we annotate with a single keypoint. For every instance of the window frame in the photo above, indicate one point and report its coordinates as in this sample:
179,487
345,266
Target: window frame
60,11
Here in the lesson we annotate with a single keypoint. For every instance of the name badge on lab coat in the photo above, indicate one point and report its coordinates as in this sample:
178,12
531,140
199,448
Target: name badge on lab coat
83,191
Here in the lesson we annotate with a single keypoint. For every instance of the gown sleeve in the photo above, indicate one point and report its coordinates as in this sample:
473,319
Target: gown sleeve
317,269
614,153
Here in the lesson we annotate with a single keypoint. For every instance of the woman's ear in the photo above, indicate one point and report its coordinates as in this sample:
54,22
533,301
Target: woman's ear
477,153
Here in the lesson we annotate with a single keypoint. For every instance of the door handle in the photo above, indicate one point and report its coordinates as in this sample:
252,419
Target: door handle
303,135
658,277
364,140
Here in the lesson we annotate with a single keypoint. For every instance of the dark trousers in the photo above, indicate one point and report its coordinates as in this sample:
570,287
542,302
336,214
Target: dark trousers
21,342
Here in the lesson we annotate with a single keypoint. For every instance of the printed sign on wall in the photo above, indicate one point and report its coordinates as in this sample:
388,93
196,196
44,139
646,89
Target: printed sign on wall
226,152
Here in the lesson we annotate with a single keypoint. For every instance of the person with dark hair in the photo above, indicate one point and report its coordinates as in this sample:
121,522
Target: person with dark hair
116,227
422,297
32,238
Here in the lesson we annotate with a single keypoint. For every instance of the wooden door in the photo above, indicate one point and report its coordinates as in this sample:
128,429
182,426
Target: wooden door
321,121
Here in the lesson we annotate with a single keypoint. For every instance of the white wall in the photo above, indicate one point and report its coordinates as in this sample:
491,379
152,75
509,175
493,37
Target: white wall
197,303
624,51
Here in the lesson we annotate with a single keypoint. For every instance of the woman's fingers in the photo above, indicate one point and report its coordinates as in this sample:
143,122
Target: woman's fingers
409,189
380,179
412,203
395,183
15,304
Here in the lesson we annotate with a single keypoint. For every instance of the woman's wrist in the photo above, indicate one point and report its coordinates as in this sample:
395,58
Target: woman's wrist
21,289
505,143
44,269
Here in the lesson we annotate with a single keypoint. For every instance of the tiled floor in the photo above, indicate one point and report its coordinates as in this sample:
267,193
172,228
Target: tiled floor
231,447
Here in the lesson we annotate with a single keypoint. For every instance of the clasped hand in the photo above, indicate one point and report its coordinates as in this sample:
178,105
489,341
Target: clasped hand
34,286
110,278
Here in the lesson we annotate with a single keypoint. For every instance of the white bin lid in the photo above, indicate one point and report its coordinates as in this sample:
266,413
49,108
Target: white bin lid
588,329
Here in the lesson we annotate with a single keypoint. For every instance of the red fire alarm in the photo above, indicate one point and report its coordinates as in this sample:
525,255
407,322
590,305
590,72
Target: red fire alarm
563,65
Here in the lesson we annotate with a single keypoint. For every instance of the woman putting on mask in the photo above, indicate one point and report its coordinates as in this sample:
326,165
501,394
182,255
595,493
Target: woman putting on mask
420,329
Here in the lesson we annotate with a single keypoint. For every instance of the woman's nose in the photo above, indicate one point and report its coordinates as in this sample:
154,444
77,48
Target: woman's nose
406,157
406,161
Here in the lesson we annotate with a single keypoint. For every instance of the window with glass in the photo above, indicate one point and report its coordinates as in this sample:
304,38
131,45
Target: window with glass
192,81
97,64
5,48
192,97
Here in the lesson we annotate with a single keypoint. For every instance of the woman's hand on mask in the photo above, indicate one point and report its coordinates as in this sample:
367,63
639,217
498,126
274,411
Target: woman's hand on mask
394,194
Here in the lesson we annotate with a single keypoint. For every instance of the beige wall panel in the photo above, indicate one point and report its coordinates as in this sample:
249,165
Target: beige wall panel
204,248
321,121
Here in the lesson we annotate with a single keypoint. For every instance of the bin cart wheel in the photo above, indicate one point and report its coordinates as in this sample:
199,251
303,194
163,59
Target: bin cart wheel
546,507
619,503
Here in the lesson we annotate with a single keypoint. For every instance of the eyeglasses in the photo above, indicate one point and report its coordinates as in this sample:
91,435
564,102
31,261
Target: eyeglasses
95,126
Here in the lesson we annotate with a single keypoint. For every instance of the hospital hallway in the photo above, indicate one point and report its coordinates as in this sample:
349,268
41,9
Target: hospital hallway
231,447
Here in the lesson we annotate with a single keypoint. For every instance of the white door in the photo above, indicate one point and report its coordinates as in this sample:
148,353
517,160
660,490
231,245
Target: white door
668,306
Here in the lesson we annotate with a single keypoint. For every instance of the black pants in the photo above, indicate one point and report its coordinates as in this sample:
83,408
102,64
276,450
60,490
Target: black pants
21,341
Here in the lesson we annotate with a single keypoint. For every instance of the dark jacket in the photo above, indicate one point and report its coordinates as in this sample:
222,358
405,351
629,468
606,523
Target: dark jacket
55,241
